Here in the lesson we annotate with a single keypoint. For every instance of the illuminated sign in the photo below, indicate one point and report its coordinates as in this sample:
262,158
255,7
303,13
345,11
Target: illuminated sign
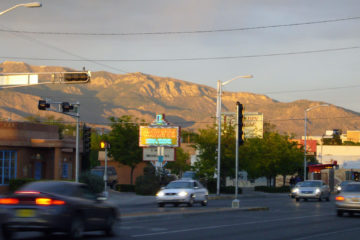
159,136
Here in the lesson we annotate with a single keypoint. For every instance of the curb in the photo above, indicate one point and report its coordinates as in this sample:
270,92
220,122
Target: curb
188,212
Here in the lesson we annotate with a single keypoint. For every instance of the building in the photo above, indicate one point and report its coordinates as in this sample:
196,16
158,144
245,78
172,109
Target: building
346,156
31,150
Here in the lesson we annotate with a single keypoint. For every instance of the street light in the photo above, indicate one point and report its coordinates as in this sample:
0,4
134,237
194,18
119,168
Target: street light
29,5
306,110
218,116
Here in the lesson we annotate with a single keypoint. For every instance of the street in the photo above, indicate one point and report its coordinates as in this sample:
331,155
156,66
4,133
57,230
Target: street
285,219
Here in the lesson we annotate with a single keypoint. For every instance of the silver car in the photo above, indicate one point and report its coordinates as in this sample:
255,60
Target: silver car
349,199
185,191
311,189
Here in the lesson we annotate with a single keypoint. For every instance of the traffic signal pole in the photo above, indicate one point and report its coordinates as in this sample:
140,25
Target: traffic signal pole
65,108
77,145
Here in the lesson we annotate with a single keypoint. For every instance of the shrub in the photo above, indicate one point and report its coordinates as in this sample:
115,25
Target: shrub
230,189
95,183
125,188
149,183
283,189
15,184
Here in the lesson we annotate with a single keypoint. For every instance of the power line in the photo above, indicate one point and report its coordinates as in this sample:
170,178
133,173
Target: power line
188,59
182,32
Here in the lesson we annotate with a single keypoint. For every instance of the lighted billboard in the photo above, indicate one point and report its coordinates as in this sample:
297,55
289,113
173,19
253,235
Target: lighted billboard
159,136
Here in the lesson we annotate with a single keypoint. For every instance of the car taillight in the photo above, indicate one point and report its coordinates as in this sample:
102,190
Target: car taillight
48,202
339,198
9,201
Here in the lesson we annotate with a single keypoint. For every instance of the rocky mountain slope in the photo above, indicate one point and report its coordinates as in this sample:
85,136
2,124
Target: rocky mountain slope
141,95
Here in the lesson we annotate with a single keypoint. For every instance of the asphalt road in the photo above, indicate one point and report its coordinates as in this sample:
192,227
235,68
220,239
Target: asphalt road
285,219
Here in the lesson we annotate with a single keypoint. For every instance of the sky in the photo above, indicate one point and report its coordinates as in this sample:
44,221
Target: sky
295,49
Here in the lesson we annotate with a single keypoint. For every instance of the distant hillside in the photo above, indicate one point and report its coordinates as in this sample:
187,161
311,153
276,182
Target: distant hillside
141,95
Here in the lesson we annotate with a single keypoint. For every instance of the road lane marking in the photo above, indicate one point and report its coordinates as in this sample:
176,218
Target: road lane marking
312,236
226,225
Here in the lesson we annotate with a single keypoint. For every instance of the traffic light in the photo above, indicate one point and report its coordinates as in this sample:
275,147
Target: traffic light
240,115
66,107
86,139
77,77
104,145
356,176
43,105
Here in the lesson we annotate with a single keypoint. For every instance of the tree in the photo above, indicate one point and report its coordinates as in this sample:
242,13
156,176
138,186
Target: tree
206,142
124,142
180,165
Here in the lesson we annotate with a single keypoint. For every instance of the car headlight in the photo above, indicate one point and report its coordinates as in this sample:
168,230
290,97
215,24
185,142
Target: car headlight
317,191
339,188
295,190
182,194
160,194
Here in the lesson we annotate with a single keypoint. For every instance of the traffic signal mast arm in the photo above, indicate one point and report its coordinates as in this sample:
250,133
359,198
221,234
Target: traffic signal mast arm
26,79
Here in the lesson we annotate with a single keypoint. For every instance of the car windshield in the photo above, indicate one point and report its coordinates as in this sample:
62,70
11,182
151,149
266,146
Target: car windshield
352,188
310,184
180,185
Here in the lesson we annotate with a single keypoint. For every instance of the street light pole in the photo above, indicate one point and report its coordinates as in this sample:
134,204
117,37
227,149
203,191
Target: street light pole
306,110
29,5
218,116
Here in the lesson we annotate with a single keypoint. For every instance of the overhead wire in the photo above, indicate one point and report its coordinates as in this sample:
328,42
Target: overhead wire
189,59
183,32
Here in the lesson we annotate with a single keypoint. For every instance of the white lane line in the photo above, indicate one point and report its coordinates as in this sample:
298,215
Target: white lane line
227,225
327,233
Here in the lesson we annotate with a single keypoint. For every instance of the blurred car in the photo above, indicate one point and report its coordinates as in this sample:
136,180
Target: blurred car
56,206
311,189
340,186
184,191
111,174
349,199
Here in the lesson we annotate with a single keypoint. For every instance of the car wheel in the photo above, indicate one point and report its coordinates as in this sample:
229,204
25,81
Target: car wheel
297,199
77,228
191,201
327,199
319,199
305,199
161,204
7,234
339,213
351,214
176,204
109,226
205,202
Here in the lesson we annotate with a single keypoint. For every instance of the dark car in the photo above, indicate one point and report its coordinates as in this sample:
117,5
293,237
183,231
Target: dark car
56,206
111,174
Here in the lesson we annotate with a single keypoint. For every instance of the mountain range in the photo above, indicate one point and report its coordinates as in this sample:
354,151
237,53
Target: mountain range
187,104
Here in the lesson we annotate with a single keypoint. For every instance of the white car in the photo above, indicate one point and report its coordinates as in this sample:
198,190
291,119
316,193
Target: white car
311,189
185,191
